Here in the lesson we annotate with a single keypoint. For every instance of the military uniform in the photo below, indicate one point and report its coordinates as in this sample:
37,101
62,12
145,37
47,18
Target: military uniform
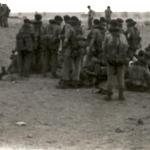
38,29
108,13
115,48
133,37
91,14
138,74
24,47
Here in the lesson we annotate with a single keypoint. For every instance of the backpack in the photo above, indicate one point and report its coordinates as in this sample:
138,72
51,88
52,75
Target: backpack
116,48
24,42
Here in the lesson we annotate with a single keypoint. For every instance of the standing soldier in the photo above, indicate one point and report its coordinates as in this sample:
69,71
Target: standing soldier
95,39
108,14
5,15
91,14
37,27
115,49
24,47
55,41
133,37
68,35
47,35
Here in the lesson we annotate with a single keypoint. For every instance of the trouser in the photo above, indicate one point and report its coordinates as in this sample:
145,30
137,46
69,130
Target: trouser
67,65
24,62
54,62
76,68
45,60
119,71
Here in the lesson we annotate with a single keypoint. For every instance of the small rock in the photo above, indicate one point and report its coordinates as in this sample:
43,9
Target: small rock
140,122
21,123
30,136
118,130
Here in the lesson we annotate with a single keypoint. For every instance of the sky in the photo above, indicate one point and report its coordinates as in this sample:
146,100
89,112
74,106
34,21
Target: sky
76,5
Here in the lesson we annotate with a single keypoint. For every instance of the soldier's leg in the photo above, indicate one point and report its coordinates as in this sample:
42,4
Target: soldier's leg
27,63
76,71
54,64
20,63
110,74
120,78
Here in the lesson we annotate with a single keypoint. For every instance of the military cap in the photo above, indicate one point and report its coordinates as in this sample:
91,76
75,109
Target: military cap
131,23
74,20
129,20
96,22
120,20
26,21
67,18
58,19
114,26
38,16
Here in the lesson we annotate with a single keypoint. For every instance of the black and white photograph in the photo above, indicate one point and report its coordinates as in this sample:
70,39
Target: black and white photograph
74,75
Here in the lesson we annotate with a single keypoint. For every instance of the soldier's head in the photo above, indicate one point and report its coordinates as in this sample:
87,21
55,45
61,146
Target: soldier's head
27,21
103,22
89,7
120,22
96,22
114,27
58,19
130,23
108,7
67,18
38,17
74,21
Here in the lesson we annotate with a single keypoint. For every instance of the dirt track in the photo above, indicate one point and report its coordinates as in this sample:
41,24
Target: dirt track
68,119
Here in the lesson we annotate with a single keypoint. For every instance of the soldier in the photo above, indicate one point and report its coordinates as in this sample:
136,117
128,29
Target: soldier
5,15
46,46
77,51
91,14
55,41
24,47
139,74
133,37
68,38
37,27
95,39
108,14
115,49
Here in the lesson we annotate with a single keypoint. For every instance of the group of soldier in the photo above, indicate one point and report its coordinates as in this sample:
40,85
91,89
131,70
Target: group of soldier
85,59
4,14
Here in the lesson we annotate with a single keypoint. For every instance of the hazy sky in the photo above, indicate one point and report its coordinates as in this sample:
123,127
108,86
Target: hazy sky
76,5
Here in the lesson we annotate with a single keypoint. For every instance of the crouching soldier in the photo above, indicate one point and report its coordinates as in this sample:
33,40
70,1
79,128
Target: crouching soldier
115,49
24,47
139,74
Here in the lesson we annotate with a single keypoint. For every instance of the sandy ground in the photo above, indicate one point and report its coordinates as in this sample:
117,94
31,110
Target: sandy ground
68,119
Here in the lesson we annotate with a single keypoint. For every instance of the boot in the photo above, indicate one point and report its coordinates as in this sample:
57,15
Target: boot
121,95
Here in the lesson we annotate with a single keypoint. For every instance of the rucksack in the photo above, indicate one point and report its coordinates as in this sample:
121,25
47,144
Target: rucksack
116,50
24,42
